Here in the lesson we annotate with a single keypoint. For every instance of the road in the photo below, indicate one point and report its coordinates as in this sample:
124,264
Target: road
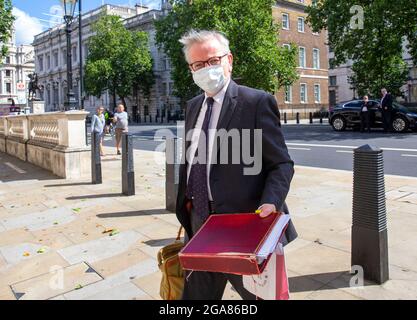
319,146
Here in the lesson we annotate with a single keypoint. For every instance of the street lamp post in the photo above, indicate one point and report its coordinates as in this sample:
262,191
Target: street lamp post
69,7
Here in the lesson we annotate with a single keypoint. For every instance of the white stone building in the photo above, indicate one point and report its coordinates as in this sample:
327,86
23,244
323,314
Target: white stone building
14,71
50,61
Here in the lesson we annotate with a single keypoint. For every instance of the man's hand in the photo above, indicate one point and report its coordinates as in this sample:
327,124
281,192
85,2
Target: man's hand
266,209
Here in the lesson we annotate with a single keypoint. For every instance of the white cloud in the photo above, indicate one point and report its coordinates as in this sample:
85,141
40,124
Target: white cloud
26,27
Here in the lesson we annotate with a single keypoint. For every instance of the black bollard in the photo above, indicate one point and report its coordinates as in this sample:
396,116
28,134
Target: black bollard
96,177
171,173
311,117
128,166
285,117
369,223
321,117
298,117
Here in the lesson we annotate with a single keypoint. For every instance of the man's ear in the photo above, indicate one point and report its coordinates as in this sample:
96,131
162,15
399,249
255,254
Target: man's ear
230,57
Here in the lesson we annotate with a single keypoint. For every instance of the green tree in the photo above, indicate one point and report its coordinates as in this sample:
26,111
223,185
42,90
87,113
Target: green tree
258,59
6,24
119,60
371,34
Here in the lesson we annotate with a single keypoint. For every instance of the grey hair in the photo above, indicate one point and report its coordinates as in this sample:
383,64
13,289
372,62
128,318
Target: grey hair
199,36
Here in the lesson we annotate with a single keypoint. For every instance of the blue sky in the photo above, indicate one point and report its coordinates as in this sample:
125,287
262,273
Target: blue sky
35,16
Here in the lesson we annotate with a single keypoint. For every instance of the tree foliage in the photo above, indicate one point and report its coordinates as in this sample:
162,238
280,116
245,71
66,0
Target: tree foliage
258,59
119,60
372,34
6,24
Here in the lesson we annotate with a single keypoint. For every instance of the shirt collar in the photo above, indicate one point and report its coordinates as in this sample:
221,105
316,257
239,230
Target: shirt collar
219,97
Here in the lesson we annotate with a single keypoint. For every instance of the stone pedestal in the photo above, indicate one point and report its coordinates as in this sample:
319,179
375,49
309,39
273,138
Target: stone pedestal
37,106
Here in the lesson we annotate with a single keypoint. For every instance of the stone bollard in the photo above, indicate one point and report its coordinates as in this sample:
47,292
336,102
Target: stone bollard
311,118
297,116
96,177
369,223
128,166
172,173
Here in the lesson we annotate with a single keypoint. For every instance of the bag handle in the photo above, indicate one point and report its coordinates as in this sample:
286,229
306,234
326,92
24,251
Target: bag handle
179,234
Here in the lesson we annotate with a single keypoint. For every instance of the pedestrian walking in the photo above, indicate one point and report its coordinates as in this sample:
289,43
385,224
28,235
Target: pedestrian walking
122,125
386,106
97,125
365,115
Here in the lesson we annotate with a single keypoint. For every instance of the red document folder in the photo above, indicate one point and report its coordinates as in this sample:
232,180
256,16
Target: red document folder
229,243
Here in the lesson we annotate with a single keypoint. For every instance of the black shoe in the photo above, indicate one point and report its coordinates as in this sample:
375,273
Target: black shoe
118,153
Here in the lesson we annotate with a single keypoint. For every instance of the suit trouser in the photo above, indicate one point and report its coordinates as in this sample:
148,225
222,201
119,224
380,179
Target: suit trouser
201,285
365,121
386,117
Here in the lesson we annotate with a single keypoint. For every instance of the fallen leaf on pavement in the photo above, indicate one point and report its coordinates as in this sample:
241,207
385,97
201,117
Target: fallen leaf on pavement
41,250
26,254
77,210
79,286
114,232
108,230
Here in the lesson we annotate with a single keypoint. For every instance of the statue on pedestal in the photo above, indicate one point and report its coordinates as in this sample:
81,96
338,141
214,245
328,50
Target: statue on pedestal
33,86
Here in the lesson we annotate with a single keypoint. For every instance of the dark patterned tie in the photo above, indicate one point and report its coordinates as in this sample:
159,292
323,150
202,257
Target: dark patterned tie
197,188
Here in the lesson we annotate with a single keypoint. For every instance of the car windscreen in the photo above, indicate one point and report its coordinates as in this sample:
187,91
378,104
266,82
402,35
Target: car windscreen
353,104
400,107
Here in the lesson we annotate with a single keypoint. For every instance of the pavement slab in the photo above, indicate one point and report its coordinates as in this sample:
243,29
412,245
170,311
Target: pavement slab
30,268
40,220
16,253
141,269
96,250
58,281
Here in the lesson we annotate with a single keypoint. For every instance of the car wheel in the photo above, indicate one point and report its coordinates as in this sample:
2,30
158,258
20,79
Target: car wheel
399,124
339,123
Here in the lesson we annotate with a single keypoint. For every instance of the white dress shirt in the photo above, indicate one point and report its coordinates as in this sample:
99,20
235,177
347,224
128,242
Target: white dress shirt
215,114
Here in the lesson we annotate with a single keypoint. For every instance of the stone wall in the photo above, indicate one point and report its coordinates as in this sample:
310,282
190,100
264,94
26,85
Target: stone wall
54,141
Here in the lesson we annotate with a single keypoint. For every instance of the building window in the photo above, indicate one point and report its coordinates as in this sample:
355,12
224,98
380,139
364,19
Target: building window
171,88
302,57
301,24
64,56
8,73
40,63
56,59
48,62
164,88
86,51
8,87
287,46
316,58
317,95
288,94
8,60
74,54
303,93
333,81
285,21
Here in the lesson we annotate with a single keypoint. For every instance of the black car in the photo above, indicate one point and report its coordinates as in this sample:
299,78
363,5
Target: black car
347,115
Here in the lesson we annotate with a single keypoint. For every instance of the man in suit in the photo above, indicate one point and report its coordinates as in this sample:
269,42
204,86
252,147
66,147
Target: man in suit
386,105
213,186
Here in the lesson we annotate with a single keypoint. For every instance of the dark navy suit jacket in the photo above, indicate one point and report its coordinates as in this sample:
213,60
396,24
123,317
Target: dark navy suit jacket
232,191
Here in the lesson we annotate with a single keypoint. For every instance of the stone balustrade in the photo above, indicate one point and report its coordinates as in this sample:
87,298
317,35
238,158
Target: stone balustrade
54,141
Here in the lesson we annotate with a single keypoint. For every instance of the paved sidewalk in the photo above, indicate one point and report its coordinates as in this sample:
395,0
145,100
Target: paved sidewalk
56,240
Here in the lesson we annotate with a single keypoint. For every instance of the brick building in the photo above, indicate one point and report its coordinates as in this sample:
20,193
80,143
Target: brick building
310,92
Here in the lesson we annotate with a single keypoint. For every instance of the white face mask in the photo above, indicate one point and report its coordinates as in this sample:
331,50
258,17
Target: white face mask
210,79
